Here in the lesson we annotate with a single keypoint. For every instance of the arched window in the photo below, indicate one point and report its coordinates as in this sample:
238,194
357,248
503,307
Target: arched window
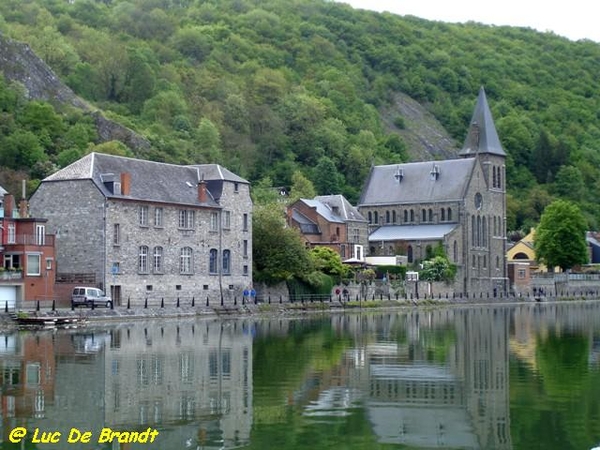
405,215
143,259
449,214
494,176
443,214
409,254
455,252
394,216
473,226
212,262
376,217
497,263
387,217
430,215
478,231
484,232
423,216
226,262
370,216
484,262
185,260
412,215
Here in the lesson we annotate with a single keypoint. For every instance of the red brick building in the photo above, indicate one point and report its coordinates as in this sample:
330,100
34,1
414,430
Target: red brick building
27,256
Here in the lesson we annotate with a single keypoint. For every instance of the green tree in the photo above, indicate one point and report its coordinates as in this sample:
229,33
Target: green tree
302,187
327,261
326,178
278,251
560,236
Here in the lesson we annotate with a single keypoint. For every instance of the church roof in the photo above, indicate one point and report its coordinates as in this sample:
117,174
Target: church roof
411,232
420,182
482,136
150,180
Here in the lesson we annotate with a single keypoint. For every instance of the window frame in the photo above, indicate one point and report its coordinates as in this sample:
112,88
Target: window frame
143,215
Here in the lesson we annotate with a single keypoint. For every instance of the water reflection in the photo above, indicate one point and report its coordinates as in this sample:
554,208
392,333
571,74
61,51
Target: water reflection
192,381
470,378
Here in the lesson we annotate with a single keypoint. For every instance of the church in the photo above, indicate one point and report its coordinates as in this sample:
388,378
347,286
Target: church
461,203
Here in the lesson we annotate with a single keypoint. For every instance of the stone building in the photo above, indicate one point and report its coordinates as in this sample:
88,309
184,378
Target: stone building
148,230
330,221
460,203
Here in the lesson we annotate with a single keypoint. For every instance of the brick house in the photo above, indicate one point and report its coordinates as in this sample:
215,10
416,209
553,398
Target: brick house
331,221
141,229
27,254
460,203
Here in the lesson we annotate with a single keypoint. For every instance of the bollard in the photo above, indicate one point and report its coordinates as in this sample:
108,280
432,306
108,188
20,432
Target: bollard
53,305
112,305
234,301
178,302
162,302
207,300
37,305
269,299
93,305
5,307
193,302
146,303
280,300
221,300
128,303
243,301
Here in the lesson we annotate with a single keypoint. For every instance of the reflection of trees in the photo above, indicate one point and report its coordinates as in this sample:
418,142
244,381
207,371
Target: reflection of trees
564,396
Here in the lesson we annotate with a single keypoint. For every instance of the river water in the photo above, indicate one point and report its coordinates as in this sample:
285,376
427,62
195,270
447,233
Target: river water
480,377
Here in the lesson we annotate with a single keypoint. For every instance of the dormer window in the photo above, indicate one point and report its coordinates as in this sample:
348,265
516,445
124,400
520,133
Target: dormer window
435,172
398,175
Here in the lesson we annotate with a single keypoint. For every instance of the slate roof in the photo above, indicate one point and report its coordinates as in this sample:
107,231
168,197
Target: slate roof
417,184
411,232
150,181
323,210
482,136
306,225
344,209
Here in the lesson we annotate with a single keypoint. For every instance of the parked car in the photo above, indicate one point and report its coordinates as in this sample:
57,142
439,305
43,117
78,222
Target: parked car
90,296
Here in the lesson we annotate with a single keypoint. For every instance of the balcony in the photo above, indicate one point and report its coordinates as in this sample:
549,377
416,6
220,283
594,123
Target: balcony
8,275
31,240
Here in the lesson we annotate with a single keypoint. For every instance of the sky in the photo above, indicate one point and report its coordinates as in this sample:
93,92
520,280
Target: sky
574,19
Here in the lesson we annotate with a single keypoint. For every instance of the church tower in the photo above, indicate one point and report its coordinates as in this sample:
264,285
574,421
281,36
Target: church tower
485,227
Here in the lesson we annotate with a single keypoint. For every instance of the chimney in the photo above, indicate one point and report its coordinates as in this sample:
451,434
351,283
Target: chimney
125,183
202,197
9,205
23,201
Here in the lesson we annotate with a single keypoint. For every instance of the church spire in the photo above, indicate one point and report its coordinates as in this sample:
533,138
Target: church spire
482,136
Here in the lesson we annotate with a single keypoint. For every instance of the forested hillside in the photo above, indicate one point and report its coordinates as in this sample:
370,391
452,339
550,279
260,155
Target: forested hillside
274,87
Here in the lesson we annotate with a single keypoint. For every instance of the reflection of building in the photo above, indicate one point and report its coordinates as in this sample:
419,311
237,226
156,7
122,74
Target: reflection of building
457,400
199,374
26,255
28,368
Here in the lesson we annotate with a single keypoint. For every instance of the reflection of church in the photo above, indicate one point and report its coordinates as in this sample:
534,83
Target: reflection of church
460,402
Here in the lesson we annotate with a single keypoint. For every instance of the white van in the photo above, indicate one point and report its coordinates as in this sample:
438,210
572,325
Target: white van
89,296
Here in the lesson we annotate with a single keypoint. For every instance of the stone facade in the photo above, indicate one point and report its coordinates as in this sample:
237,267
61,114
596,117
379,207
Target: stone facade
164,232
460,203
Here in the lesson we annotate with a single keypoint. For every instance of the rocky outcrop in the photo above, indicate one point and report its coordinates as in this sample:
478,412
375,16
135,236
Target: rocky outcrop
18,63
425,136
